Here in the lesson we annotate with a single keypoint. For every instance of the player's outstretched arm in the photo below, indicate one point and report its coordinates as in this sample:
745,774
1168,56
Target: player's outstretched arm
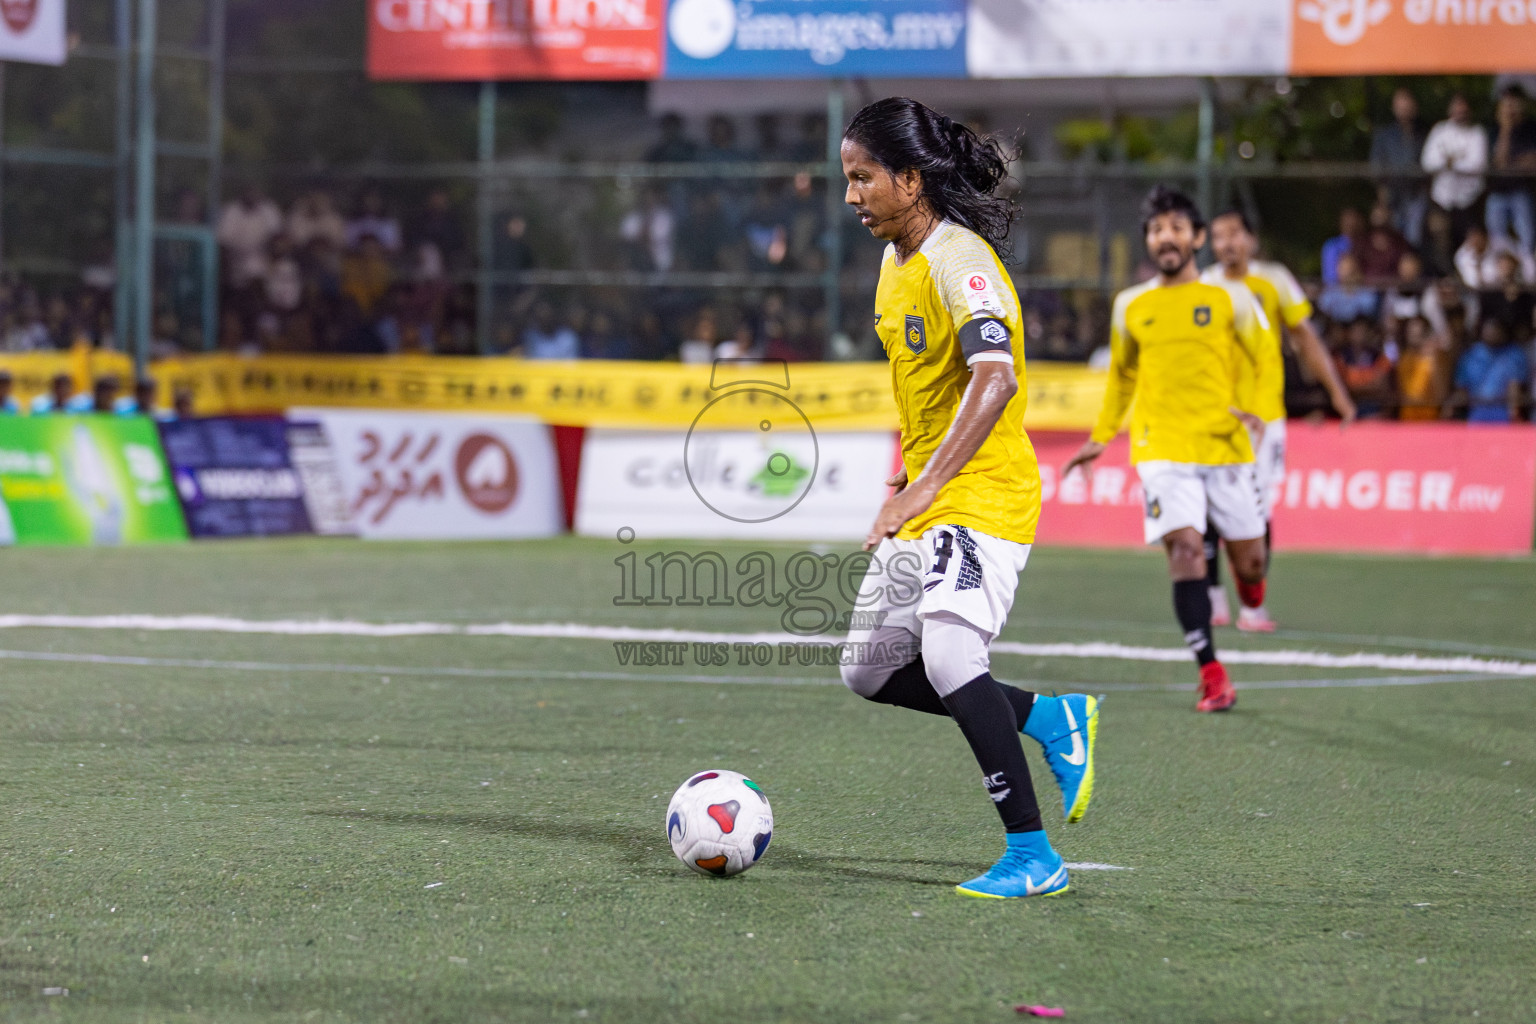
991,388
1311,351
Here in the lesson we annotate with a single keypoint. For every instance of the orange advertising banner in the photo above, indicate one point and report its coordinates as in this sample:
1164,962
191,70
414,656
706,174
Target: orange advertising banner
482,40
1350,37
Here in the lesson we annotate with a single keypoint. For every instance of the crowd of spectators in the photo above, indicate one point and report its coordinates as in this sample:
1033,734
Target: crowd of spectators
1426,298
1427,302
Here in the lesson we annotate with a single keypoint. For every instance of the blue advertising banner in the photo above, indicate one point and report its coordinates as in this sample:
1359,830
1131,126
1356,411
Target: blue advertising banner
235,477
816,38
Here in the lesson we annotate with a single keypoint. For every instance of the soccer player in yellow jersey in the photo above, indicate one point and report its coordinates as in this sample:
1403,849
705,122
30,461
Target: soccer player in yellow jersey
1177,349
1286,317
950,543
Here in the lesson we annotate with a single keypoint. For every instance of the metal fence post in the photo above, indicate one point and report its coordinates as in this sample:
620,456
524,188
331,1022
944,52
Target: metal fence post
217,23
485,304
833,300
144,205
122,293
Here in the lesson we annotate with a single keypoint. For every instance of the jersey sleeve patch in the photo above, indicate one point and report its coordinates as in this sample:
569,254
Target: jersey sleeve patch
985,335
981,295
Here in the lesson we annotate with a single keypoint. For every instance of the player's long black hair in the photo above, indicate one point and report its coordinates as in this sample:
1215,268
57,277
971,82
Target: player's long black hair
960,168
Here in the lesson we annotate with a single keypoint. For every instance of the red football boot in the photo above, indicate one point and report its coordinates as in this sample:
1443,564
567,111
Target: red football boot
1216,690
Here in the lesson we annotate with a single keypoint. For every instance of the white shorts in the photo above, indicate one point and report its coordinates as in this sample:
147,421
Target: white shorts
950,570
1269,466
1189,494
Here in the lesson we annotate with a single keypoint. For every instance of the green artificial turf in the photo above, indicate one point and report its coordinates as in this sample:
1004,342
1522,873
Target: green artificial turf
469,828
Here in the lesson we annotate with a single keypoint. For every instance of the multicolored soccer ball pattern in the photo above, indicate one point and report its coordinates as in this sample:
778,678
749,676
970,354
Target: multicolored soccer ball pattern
719,823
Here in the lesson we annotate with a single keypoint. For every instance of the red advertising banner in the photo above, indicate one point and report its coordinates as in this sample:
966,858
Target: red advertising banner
481,40
1431,488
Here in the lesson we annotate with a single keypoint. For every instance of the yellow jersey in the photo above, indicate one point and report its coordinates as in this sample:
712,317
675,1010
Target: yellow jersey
1177,352
949,306
1282,302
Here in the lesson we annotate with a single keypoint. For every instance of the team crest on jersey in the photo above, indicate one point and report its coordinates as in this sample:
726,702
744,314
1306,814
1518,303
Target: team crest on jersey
917,335
1202,316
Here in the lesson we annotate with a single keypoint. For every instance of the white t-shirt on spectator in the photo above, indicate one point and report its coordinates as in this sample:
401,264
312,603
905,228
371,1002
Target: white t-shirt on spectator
305,226
1457,155
244,232
653,228
285,285
1484,273
385,229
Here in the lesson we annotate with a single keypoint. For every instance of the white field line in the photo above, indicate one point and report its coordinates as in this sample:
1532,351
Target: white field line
581,631
1094,866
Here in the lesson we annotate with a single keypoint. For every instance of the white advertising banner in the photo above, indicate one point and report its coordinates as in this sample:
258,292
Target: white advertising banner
32,31
441,476
754,485
1069,38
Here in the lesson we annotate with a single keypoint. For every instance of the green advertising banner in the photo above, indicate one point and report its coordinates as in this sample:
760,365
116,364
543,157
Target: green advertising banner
87,480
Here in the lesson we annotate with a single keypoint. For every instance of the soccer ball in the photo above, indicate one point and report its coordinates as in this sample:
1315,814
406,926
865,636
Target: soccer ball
719,823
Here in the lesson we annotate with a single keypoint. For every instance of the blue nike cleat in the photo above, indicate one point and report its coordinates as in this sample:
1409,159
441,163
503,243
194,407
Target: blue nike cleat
1029,868
1066,727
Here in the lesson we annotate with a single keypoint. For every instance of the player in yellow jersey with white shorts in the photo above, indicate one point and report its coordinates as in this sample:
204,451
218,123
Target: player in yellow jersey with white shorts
950,543
1177,346
1286,315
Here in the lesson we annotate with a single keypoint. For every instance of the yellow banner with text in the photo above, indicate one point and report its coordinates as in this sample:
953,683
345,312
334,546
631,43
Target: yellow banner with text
831,396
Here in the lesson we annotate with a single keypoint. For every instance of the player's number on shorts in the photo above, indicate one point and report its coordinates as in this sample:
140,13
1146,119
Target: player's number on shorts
943,547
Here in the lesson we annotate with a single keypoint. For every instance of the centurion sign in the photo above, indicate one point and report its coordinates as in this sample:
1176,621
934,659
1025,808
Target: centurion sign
531,39
32,31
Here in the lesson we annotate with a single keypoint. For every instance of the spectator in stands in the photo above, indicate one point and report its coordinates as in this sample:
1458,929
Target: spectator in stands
283,286
674,146
1366,369
699,346
181,404
439,226
604,339
1490,375
25,330
648,232
1349,298
8,404
247,226
1508,301
1474,258
769,145
314,216
812,144
721,147
1411,295
1350,237
1456,153
1459,314
512,251
1509,213
1423,373
60,396
547,337
1383,247
366,274
1396,149
104,394
142,401
373,218
767,229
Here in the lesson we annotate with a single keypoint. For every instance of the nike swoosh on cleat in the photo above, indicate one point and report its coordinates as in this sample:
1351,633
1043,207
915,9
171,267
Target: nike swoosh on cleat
1079,752
1031,889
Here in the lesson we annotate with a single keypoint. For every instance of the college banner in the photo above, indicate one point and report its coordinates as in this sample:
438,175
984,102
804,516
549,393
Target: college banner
234,477
1416,37
33,31
428,476
832,396
1068,38
816,38
479,40
1432,488
782,483
86,480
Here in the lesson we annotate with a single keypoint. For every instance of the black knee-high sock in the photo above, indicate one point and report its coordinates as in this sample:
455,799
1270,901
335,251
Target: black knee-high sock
909,688
1269,546
986,718
1192,604
1212,557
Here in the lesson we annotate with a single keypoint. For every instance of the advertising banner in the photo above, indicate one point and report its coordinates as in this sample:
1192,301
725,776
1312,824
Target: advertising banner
1430,488
426,476
816,38
1416,37
479,40
234,477
1068,38
33,31
598,393
783,482
325,496
87,480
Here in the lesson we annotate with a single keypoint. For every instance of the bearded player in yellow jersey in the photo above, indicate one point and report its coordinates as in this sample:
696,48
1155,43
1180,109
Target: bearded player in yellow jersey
967,499
1177,346
1286,316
